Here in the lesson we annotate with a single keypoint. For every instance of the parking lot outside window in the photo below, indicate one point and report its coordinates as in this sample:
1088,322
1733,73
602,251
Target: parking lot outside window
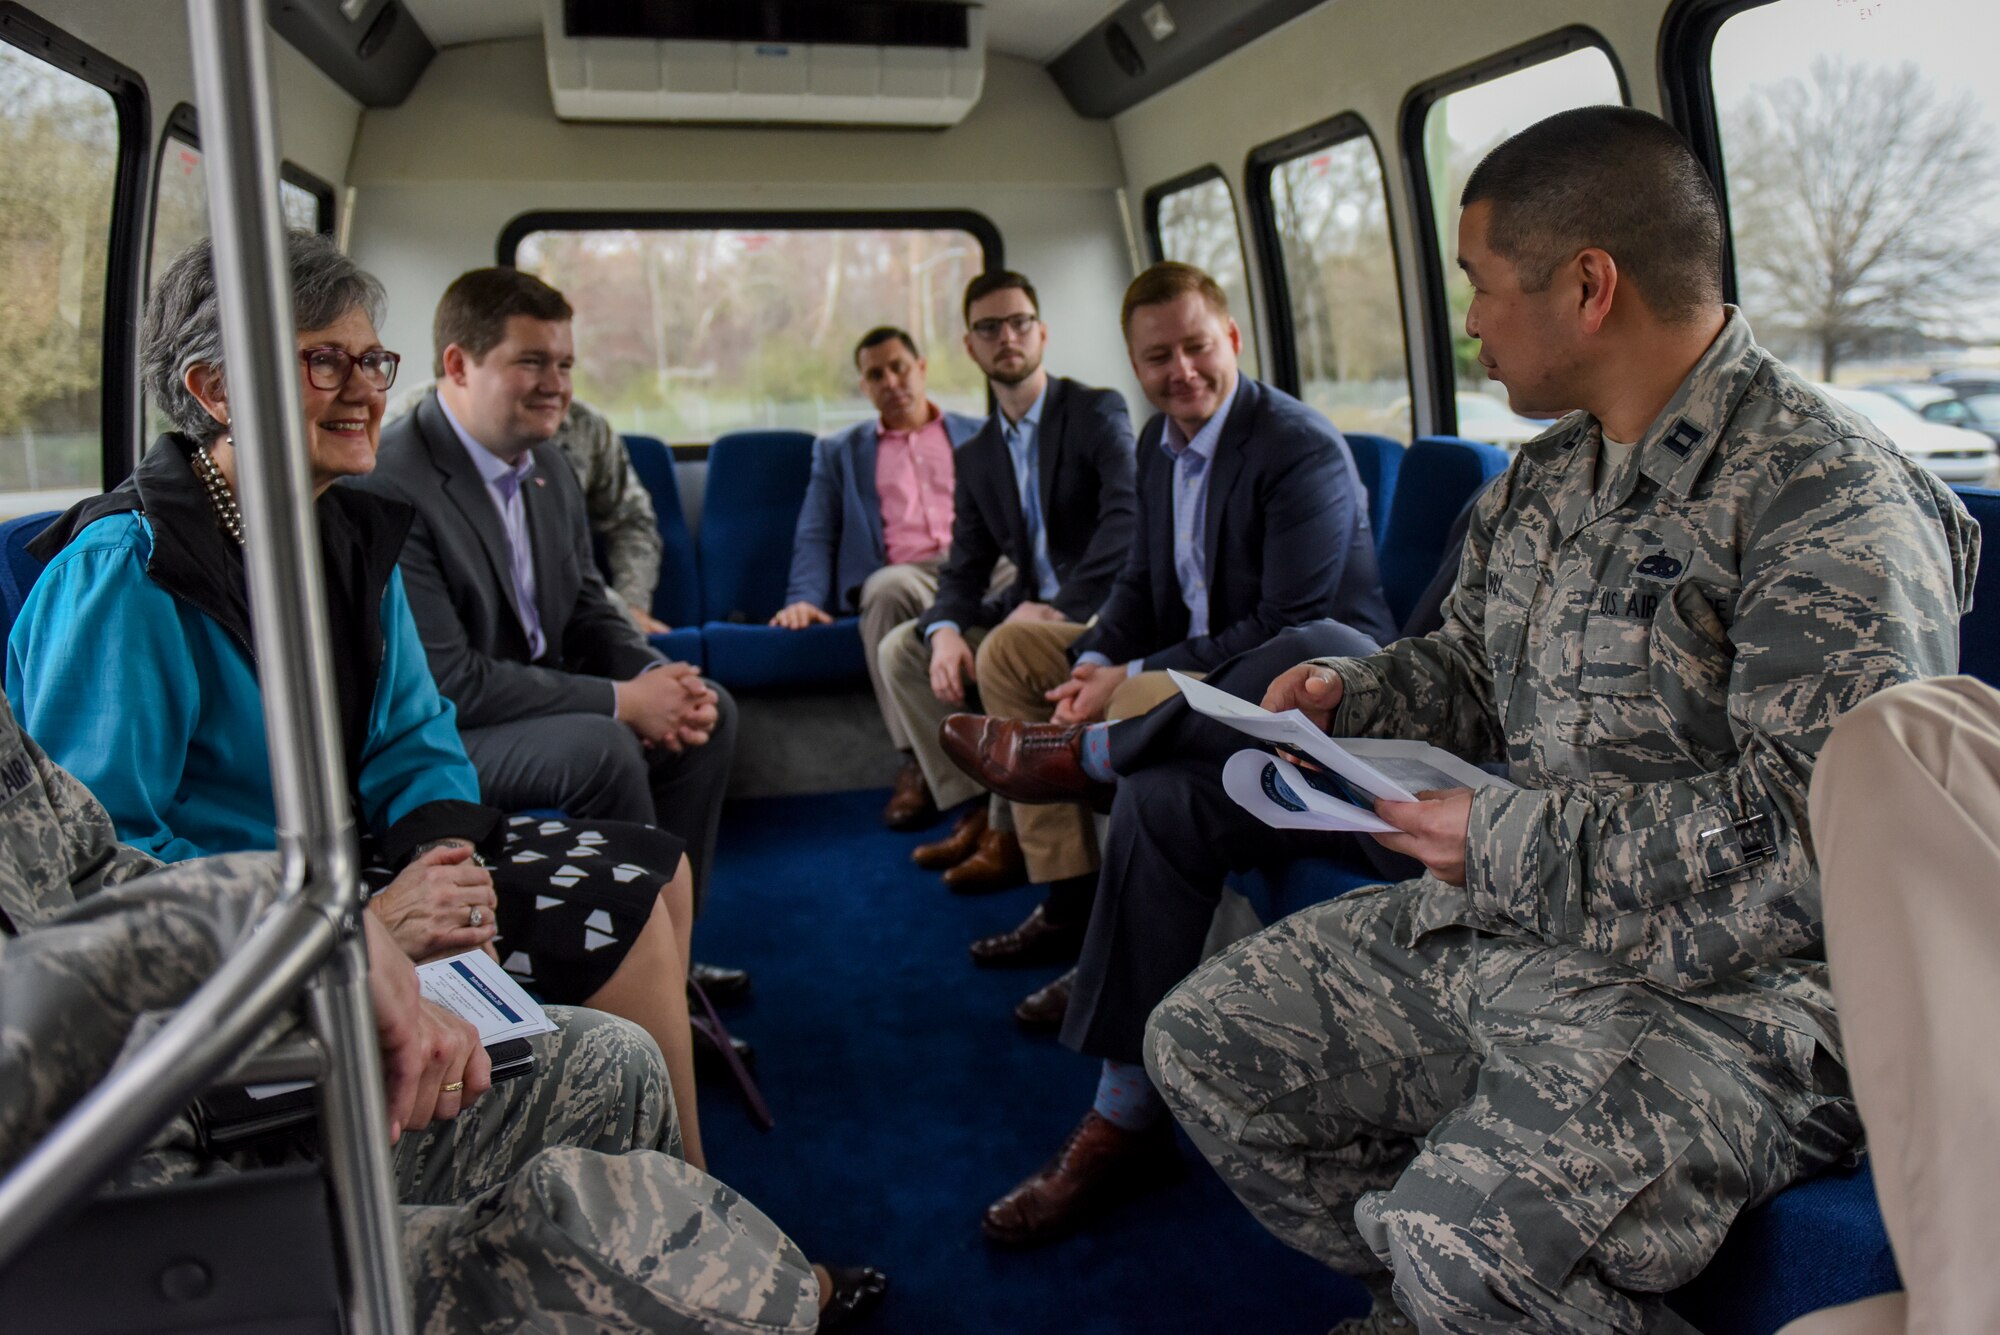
1860,147
687,333
1331,218
1196,224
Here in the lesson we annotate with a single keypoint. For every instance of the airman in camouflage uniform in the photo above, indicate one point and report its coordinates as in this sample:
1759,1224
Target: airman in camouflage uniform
553,1203
619,506
1539,1099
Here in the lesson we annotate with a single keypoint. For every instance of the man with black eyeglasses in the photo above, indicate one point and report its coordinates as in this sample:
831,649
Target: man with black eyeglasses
1047,485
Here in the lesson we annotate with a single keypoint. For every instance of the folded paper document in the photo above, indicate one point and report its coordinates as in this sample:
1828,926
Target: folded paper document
1358,771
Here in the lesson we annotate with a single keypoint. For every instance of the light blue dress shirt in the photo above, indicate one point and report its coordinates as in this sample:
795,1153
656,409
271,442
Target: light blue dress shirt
1024,447
504,484
1192,460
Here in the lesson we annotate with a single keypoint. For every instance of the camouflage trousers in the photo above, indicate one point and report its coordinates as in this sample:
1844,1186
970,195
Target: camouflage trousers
1526,1136
558,1203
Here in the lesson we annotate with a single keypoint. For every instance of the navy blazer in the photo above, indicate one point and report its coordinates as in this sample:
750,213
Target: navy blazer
460,580
1084,458
1286,542
838,543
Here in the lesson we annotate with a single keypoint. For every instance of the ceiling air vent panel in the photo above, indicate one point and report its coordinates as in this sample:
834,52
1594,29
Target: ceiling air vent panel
874,62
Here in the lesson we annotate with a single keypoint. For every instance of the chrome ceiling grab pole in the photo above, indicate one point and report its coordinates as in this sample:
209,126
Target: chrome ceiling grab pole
232,77
309,937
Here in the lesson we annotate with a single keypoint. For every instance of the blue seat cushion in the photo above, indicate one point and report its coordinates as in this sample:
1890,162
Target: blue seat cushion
750,506
1979,629
1439,475
1819,1244
683,644
767,656
677,597
1378,459
18,570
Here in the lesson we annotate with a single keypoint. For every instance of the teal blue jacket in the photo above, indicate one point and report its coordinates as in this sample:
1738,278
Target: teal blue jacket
153,702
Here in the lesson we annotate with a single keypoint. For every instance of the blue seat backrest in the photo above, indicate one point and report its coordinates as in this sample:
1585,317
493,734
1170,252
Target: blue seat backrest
18,570
1979,630
1378,459
750,505
677,599
1439,475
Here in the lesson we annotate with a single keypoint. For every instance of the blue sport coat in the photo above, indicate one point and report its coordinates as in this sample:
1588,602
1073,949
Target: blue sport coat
1286,542
838,543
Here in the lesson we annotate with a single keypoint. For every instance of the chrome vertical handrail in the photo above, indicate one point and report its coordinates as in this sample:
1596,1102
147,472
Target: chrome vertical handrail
232,78
311,936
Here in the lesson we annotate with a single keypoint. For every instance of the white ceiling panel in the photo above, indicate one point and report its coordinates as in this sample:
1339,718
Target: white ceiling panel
1037,30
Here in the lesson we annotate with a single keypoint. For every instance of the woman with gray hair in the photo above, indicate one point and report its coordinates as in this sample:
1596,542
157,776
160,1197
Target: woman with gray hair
132,664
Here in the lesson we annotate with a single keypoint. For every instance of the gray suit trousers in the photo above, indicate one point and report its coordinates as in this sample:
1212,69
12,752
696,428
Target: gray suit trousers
592,767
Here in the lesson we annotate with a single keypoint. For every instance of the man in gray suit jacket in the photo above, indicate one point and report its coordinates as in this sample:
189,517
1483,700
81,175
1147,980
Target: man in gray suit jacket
561,702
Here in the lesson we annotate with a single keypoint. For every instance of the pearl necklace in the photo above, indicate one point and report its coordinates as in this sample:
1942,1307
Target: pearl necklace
219,497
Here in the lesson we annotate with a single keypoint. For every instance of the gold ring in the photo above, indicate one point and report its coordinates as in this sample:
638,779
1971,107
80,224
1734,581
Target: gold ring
454,1087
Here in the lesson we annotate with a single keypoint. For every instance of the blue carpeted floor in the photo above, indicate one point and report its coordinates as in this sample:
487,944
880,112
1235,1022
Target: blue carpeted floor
906,1100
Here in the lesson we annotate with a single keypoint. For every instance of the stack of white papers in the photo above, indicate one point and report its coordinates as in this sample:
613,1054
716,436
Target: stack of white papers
1275,790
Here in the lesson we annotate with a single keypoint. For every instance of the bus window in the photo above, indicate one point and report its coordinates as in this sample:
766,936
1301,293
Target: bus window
1859,157
686,332
59,148
1459,129
1330,217
1193,220
180,196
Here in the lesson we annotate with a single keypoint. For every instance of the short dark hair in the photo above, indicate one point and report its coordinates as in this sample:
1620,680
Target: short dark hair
998,280
882,333
1615,178
1170,280
474,310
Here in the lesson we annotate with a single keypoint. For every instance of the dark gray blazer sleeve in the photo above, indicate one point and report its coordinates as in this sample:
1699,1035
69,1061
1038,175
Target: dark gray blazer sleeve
486,690
1108,429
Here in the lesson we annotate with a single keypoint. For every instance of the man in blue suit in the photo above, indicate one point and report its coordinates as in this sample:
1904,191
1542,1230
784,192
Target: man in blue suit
1253,542
876,524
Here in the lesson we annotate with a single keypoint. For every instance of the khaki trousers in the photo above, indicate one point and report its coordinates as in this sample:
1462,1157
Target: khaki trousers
891,596
1018,664
1905,813
905,668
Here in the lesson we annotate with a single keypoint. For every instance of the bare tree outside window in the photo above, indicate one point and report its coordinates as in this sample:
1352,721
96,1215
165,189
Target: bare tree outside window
1862,203
1332,219
58,170
1198,227
688,333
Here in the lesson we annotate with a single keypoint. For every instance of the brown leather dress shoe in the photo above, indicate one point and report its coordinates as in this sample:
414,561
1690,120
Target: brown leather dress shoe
910,805
1024,762
1097,1167
954,848
1035,941
1042,1010
997,864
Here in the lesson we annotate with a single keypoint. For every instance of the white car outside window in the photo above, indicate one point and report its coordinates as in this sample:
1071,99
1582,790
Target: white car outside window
1953,453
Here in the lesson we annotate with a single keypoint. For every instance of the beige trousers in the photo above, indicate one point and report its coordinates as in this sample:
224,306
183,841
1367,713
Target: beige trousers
1905,815
891,596
905,668
1018,665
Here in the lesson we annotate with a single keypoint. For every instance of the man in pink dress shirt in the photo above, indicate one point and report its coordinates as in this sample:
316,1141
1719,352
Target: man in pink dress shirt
876,525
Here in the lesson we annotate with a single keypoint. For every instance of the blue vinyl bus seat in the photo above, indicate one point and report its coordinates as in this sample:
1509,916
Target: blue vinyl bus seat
1438,476
750,506
1378,459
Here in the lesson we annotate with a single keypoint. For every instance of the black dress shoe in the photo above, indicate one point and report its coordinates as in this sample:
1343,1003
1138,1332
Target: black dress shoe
857,1291
725,987
1035,941
1042,1010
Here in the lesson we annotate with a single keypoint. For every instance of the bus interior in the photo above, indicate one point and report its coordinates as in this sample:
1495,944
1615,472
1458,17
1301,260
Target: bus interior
728,195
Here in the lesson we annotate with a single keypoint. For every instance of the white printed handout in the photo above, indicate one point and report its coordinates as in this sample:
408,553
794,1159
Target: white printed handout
1272,789
1280,795
474,988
